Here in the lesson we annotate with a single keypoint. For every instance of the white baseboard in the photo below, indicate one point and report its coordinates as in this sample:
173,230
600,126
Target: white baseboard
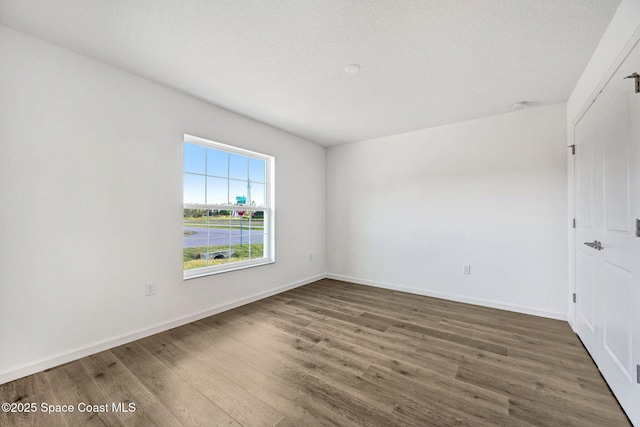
452,297
96,347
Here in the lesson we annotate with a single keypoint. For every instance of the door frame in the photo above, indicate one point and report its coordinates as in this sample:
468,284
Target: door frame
571,171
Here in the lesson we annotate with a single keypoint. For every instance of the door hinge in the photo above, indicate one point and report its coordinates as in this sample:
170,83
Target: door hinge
635,76
637,227
573,149
574,298
638,373
574,223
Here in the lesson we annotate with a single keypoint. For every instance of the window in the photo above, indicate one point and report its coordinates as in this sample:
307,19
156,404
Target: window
228,208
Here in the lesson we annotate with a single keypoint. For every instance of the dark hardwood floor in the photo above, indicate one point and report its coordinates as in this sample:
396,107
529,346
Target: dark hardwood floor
334,353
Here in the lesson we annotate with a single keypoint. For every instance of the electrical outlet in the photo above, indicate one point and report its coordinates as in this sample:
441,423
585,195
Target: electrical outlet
466,269
150,288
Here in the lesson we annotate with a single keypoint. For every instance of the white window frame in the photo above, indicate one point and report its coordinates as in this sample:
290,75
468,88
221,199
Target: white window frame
269,256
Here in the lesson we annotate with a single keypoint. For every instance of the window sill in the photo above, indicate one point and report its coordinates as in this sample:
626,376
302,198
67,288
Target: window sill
219,269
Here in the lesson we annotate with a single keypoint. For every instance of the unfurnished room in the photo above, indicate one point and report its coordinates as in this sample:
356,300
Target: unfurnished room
320,213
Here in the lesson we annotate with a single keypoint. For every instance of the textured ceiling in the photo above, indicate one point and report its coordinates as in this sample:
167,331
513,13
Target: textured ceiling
423,63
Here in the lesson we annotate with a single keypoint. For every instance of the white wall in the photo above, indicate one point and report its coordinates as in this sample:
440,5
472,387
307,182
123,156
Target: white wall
620,32
91,206
408,211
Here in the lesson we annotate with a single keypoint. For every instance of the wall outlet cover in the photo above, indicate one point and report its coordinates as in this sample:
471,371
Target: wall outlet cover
149,288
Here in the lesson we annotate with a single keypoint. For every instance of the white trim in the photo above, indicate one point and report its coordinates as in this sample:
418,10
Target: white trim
571,234
607,76
208,143
96,347
626,50
624,398
268,208
225,207
194,273
453,297
106,344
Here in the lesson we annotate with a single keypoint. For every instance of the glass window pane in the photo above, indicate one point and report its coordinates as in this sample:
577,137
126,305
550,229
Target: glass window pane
215,237
238,166
194,158
257,194
238,192
219,216
257,247
217,191
193,189
217,163
256,170
195,240
219,248
257,235
257,219
238,233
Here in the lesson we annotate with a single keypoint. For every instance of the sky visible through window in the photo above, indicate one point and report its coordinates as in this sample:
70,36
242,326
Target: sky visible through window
225,207
216,177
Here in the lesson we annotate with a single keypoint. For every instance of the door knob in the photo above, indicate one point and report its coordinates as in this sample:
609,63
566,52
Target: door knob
595,245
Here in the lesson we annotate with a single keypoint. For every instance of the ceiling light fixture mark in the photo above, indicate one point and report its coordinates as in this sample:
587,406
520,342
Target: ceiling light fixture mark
352,68
519,105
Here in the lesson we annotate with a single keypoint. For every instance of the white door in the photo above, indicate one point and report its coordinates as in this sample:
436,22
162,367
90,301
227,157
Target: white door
607,140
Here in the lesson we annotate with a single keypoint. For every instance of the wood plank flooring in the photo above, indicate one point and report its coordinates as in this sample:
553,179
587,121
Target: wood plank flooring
334,353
